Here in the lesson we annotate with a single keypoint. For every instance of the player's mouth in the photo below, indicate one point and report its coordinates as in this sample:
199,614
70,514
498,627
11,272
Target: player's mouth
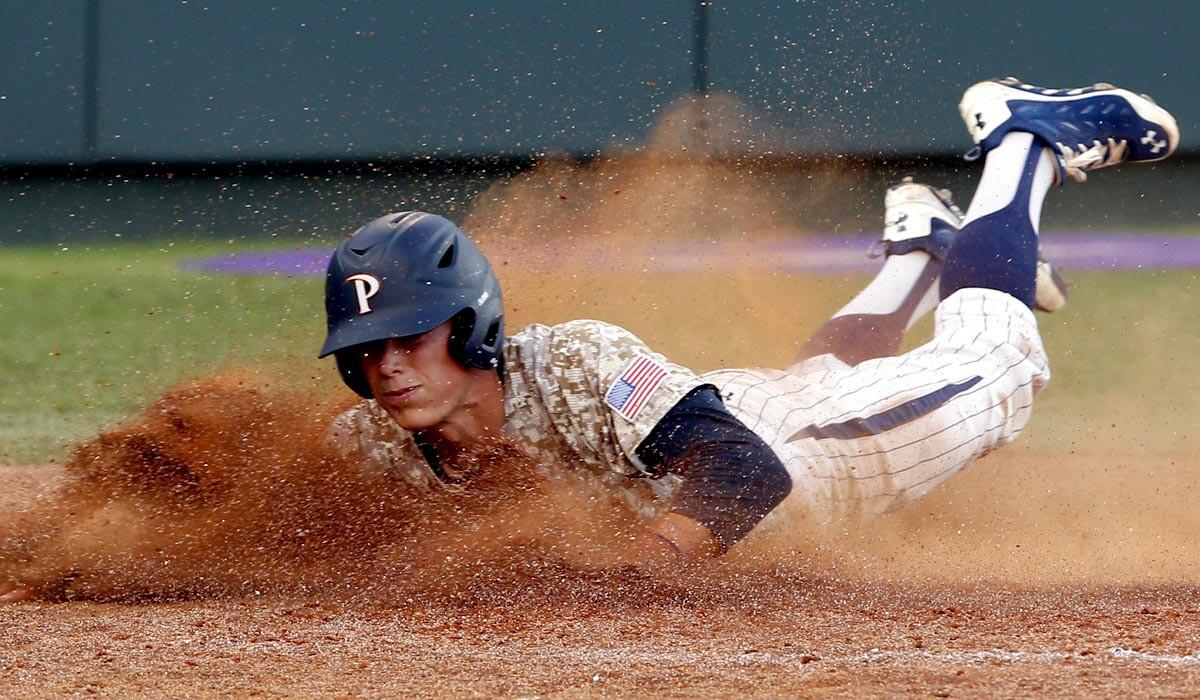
398,396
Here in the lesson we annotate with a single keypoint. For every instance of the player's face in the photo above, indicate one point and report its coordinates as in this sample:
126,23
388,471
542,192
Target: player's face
418,383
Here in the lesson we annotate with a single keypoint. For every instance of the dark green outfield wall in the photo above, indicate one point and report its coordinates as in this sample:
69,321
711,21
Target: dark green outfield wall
315,80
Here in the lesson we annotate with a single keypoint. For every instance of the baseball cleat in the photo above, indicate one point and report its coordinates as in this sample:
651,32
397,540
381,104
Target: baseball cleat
917,217
920,217
1088,127
1051,292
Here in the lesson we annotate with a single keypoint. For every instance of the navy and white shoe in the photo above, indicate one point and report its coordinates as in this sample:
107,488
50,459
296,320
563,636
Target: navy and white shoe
917,217
1089,127
920,217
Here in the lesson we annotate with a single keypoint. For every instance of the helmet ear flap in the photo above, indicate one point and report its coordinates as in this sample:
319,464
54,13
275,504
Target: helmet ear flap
349,364
462,327
473,346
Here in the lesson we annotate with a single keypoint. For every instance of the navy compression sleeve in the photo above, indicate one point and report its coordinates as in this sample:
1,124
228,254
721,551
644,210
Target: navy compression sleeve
731,478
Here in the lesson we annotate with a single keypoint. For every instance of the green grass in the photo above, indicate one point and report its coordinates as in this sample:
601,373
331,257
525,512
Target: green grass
89,336
92,335
1125,358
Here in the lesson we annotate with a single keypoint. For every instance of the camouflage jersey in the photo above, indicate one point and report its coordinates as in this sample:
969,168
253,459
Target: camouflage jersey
578,394
856,440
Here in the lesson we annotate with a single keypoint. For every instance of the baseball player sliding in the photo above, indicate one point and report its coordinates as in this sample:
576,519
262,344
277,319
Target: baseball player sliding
416,324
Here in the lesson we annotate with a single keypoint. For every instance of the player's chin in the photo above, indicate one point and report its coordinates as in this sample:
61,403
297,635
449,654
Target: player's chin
414,418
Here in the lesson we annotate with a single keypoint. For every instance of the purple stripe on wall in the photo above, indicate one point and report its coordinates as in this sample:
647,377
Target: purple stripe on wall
814,254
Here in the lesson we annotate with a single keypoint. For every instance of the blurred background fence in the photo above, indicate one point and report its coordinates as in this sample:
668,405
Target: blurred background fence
203,81
245,117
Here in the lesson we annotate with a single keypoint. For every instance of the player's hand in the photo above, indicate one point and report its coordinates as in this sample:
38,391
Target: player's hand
678,538
14,592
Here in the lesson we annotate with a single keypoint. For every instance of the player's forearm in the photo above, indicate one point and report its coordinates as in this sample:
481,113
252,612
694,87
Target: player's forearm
732,478
729,487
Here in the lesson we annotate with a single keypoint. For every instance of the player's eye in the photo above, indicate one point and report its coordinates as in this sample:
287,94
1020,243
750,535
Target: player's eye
408,344
373,351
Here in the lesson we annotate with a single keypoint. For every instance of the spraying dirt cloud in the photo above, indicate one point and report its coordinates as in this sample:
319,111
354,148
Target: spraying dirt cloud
227,485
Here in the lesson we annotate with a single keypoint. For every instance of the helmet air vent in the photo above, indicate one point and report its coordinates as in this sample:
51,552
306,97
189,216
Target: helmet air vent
447,258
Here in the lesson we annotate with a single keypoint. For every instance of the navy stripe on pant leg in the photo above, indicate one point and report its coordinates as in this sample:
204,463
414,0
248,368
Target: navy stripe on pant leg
886,420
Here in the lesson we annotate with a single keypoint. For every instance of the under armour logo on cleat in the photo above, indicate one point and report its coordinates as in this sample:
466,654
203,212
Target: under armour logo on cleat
1155,145
979,123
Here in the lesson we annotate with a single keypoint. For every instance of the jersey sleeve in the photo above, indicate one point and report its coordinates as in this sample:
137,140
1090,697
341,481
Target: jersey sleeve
613,389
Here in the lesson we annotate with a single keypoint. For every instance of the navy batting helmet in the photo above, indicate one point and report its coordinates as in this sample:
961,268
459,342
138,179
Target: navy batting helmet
405,274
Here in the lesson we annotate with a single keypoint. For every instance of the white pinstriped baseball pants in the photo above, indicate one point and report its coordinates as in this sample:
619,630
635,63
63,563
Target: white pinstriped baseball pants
858,441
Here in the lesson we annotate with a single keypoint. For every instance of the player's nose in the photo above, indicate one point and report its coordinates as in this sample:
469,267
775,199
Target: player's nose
394,359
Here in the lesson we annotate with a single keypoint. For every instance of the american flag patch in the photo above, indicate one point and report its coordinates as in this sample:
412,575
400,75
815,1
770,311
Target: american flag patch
635,386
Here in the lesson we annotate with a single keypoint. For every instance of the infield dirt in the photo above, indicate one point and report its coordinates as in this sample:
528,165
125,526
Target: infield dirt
249,558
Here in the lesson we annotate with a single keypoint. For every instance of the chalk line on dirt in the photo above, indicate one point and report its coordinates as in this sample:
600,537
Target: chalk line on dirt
902,657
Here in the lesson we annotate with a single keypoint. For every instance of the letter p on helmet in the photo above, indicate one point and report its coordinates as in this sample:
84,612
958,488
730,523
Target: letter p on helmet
365,287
